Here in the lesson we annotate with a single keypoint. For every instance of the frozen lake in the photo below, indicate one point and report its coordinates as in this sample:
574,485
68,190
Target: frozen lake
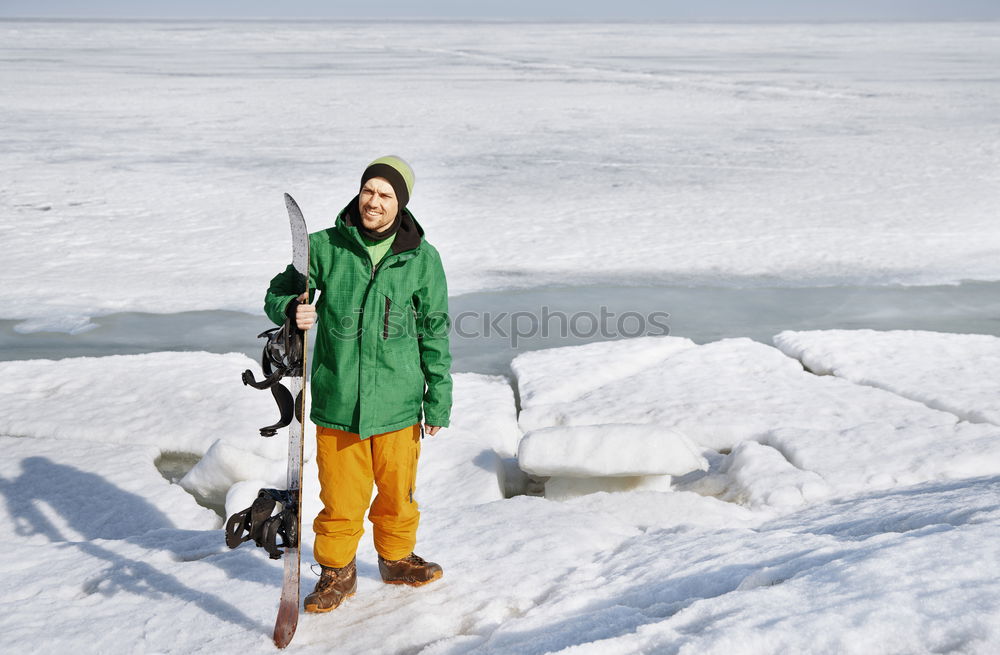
142,164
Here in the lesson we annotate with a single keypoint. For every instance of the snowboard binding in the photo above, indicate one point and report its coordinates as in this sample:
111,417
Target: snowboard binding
257,523
282,357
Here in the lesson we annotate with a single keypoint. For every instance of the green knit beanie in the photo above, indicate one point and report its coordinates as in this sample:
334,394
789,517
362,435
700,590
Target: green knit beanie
397,172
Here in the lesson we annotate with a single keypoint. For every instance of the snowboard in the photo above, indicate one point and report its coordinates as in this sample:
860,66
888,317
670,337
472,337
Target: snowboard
288,607
285,358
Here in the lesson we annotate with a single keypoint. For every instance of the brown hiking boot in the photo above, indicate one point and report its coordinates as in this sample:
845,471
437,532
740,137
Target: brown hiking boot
333,587
411,570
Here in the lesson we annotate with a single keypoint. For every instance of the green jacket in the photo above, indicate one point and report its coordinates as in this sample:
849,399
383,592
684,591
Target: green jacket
381,354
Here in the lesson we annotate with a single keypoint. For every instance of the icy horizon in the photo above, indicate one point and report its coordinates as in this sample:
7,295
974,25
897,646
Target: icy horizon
525,9
697,154
493,21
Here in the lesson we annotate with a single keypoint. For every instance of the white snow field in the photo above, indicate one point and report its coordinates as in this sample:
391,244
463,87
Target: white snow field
609,450
674,498
844,518
142,164
957,372
732,391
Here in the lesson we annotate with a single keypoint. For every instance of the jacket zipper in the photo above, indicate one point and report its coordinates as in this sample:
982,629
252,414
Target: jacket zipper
371,281
385,320
385,315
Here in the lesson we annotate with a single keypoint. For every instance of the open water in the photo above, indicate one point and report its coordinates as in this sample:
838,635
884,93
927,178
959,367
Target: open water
490,328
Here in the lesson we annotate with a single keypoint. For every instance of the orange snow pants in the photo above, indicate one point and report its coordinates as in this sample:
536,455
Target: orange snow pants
348,466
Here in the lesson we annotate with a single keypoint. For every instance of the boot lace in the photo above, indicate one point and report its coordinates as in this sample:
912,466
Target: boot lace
328,575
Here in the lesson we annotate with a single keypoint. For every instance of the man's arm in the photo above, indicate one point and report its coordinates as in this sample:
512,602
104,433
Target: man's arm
433,325
284,288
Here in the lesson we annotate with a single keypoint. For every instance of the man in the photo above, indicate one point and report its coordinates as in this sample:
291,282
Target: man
381,362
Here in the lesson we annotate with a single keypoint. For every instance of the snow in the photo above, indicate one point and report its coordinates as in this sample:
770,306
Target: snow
736,390
952,372
608,451
740,154
470,459
225,465
758,507
69,490
788,586
806,534
759,476
568,487
482,434
177,402
560,374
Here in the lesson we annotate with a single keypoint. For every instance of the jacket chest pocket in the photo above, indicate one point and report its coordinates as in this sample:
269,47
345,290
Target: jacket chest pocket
399,322
398,341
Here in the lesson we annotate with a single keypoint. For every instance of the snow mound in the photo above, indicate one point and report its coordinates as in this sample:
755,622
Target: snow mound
721,394
224,465
759,476
611,450
952,372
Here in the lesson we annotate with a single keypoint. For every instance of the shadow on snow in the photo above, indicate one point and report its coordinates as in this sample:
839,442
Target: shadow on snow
91,509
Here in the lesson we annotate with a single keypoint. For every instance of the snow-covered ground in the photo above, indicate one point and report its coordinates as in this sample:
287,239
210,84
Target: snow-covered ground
833,517
958,373
734,391
837,493
142,164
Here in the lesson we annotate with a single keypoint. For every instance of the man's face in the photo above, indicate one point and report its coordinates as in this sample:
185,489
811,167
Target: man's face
378,204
